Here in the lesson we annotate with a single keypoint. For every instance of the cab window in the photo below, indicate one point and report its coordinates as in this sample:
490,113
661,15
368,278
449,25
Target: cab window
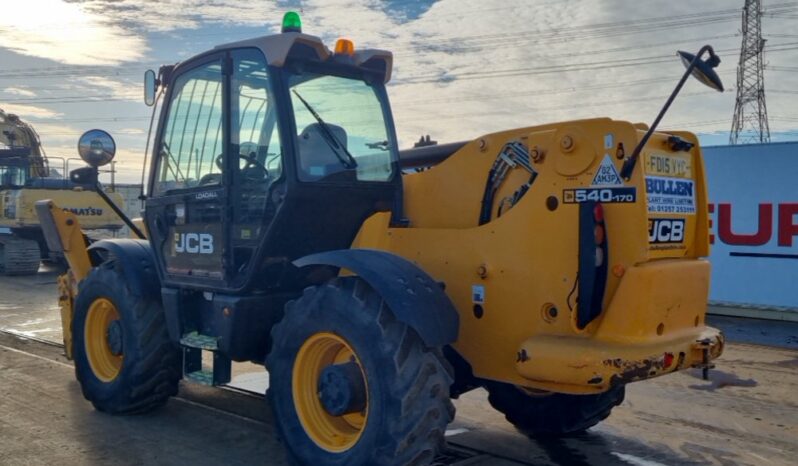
254,118
190,151
347,132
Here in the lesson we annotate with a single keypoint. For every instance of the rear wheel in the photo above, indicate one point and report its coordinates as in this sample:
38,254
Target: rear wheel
124,360
350,385
556,414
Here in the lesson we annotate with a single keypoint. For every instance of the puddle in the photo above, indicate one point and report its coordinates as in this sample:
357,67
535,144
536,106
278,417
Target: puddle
635,460
719,379
256,382
28,323
41,330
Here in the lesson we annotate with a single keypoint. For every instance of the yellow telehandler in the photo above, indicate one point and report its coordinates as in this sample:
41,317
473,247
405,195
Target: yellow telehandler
551,265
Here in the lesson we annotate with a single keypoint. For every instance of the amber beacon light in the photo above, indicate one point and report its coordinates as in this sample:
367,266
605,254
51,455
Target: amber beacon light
344,47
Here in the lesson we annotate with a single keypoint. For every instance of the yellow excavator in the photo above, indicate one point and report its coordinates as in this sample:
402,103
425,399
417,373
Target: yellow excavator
28,176
551,265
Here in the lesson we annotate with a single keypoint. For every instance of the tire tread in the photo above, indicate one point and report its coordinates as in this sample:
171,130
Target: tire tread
156,374
420,380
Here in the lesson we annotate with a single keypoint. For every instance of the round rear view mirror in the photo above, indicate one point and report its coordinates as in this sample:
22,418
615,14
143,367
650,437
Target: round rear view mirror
150,86
96,147
703,70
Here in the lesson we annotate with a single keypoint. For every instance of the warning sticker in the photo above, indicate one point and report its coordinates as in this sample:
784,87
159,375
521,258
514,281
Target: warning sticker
607,175
670,195
608,141
478,294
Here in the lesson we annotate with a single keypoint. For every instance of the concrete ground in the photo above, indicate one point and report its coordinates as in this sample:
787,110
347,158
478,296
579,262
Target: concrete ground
746,414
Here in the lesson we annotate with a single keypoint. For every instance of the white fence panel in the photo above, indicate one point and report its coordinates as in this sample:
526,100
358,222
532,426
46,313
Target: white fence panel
753,194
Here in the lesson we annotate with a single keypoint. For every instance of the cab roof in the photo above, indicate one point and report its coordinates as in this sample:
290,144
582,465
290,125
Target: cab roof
277,48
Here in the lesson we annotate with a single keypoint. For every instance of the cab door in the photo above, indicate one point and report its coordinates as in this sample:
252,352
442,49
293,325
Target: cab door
185,212
258,175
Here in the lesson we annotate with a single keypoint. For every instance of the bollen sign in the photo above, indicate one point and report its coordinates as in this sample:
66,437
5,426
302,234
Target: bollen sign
753,194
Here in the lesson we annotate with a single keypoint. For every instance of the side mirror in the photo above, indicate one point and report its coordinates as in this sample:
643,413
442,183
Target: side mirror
150,87
96,147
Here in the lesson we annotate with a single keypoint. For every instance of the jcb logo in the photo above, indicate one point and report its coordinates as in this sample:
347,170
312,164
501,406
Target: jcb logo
665,230
194,243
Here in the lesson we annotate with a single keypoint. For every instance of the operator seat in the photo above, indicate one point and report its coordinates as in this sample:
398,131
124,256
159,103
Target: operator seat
316,158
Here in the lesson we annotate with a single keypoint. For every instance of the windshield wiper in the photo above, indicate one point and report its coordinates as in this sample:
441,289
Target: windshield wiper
381,145
329,137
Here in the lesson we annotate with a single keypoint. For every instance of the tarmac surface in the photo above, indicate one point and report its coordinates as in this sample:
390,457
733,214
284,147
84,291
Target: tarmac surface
746,414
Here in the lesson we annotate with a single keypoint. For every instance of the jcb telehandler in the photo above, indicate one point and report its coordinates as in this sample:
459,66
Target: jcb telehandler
551,265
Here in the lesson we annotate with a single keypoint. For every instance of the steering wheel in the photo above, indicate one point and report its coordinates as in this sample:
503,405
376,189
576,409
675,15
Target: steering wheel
252,162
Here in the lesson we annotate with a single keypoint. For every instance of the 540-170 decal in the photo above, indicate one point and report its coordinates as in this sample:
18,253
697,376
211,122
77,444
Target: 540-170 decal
609,195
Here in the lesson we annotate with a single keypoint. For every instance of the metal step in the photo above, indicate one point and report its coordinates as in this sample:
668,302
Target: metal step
194,344
201,377
199,341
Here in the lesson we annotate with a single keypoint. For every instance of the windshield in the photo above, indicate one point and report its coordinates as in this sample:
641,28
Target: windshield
349,114
11,175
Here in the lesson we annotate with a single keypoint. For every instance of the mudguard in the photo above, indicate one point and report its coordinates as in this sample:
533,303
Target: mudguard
136,262
414,297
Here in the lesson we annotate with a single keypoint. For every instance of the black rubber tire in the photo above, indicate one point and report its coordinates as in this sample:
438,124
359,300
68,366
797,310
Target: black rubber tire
552,415
150,370
408,384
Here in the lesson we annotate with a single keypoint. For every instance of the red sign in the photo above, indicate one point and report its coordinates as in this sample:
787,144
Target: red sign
785,225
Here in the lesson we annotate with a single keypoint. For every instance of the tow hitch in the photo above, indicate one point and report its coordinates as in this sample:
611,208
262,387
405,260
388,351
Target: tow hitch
705,365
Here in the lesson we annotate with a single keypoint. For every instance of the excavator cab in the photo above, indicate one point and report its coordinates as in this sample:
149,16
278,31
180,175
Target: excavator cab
14,168
268,150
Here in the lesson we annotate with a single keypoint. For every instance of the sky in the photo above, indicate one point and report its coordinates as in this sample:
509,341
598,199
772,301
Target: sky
462,68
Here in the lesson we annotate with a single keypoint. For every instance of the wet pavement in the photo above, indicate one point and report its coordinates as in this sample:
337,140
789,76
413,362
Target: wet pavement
29,305
747,413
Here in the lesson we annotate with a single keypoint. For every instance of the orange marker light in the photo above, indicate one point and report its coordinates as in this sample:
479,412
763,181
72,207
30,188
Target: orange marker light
344,47
598,234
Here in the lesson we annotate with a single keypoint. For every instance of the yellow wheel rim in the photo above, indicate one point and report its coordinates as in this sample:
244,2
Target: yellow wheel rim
332,433
104,363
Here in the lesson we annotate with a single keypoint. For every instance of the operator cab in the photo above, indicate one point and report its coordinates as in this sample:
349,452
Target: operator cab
14,167
267,150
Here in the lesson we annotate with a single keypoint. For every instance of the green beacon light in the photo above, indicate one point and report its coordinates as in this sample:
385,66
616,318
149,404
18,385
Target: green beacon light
291,22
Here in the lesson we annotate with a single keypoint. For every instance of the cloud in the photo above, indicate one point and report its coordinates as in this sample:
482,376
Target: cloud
30,111
122,90
19,91
67,33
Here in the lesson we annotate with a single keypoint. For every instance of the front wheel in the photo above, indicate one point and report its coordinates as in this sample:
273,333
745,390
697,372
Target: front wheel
351,385
124,360
556,414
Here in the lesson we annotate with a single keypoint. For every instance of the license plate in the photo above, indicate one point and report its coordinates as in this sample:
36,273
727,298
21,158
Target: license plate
673,165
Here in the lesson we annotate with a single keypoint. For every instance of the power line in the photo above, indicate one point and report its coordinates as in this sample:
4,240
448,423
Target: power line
591,66
560,34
